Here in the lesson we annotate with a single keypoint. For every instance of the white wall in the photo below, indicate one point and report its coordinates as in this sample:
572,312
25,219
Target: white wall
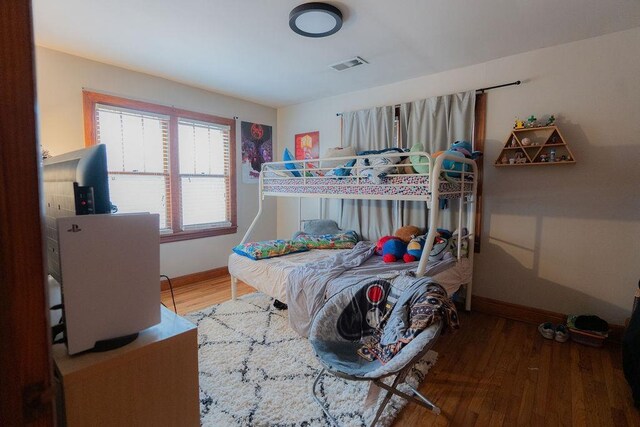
561,238
60,80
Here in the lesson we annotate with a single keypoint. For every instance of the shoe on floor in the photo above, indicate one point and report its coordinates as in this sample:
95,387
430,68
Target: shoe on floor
562,334
547,330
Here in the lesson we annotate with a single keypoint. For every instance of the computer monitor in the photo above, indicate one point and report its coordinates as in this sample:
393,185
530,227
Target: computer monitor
75,183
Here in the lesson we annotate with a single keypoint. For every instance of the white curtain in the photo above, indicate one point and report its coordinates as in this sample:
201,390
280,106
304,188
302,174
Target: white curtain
436,123
370,129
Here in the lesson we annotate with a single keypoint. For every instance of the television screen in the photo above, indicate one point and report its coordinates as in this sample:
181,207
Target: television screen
75,183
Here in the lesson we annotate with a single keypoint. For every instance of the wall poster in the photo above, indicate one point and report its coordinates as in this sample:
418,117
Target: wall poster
257,148
307,145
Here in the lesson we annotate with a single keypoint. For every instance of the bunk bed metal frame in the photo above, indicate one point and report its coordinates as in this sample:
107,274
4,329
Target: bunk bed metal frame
276,180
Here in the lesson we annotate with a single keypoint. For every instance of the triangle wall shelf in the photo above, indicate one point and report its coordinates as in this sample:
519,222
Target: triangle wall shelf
535,146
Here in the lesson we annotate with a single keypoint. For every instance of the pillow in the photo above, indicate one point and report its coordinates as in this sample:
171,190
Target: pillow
317,227
336,152
269,249
346,240
321,226
420,163
287,157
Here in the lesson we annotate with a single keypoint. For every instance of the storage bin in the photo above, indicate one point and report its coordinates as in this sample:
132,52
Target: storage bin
587,338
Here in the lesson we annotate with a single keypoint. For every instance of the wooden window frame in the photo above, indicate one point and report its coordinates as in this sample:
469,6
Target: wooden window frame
91,99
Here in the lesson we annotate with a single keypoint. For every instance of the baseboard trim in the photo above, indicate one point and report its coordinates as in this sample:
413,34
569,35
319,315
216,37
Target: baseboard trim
530,315
192,278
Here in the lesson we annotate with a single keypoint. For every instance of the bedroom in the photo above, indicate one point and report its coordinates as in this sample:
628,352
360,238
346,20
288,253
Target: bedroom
561,239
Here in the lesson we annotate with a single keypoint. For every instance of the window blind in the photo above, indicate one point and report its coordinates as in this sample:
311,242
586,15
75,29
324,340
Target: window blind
138,160
204,174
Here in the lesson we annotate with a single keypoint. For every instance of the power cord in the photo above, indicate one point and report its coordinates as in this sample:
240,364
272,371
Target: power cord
171,289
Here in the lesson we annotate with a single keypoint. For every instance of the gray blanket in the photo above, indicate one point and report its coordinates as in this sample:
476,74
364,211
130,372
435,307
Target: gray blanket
309,285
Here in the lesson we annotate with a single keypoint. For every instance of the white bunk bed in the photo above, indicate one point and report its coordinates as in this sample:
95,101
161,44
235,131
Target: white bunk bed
314,181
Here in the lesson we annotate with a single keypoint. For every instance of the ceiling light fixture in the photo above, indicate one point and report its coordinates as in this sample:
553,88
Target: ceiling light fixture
315,19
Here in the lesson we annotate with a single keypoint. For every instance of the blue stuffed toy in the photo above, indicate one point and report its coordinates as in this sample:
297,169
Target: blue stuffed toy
393,250
460,149
414,249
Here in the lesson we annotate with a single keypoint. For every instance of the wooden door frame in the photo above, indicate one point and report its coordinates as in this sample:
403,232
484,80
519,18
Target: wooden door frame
25,355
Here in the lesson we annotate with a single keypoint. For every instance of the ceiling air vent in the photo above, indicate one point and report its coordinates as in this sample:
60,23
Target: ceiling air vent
349,63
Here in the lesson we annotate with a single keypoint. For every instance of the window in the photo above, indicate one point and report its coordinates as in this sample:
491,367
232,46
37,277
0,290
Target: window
168,161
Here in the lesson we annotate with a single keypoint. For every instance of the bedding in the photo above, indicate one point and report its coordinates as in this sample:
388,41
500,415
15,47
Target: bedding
376,168
269,248
309,285
270,275
346,240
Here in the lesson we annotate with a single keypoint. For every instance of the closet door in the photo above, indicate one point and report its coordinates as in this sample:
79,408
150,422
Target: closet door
25,361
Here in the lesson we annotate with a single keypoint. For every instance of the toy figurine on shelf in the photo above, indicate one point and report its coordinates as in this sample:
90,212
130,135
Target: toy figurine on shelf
532,121
504,160
551,121
519,124
543,158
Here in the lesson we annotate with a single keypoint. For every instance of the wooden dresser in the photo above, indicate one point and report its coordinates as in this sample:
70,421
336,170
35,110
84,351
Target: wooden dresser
152,381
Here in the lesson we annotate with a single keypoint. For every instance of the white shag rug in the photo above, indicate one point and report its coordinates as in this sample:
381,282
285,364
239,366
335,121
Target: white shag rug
256,371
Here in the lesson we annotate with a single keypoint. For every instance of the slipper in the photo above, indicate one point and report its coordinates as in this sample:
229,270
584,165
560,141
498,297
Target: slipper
547,330
562,334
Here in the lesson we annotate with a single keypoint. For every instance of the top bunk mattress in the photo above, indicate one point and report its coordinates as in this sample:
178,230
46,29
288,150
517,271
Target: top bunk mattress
409,187
270,275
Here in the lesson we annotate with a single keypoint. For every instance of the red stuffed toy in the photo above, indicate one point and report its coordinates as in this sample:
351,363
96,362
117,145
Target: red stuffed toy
382,241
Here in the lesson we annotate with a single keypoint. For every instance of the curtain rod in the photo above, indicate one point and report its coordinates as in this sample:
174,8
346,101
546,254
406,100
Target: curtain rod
516,83
481,90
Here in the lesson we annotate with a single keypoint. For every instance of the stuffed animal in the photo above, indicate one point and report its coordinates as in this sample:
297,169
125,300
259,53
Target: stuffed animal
382,241
441,244
407,233
393,250
414,249
461,149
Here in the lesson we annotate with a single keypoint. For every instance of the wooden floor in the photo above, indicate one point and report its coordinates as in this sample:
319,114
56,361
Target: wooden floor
496,372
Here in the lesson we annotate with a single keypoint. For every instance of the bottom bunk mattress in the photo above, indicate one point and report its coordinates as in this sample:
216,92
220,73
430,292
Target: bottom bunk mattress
269,276
305,280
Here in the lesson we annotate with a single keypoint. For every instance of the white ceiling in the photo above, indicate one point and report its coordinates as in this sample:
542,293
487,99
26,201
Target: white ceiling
245,48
